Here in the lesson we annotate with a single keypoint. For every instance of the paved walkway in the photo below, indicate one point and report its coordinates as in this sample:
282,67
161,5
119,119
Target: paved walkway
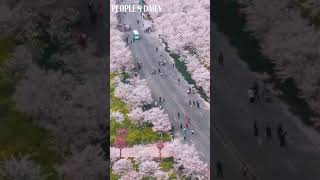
150,149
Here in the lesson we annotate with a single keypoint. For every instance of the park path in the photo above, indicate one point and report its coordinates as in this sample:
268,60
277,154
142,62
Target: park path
150,149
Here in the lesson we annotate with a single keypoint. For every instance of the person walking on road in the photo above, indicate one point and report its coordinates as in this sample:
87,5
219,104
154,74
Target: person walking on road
159,71
255,89
279,130
198,105
178,115
192,131
156,49
268,132
221,59
194,103
255,129
219,170
283,139
251,95
181,126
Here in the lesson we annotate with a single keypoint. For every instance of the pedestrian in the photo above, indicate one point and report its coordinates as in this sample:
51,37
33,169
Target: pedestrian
178,79
255,89
173,65
283,139
90,6
221,59
219,169
245,170
279,130
159,98
251,95
178,115
159,70
163,100
268,131
181,126
187,125
198,105
172,127
192,131
184,136
255,129
156,49
137,21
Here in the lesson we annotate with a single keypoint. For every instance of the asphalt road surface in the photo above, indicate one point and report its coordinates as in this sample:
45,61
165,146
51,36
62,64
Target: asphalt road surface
233,119
168,87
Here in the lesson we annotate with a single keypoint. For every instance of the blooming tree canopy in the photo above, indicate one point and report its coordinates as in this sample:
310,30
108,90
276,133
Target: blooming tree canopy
186,156
122,166
117,116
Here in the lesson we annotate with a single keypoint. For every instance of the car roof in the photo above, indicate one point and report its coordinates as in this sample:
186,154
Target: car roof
135,32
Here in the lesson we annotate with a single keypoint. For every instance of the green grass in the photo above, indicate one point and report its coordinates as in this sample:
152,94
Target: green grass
6,45
136,135
173,176
166,164
18,134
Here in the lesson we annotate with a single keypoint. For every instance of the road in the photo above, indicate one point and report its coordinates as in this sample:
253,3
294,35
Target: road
233,117
167,86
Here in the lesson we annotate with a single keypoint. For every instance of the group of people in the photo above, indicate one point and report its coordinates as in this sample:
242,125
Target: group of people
194,103
185,127
281,134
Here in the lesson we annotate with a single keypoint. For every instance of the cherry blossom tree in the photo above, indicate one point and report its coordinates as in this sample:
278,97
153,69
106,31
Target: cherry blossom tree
148,168
20,168
135,94
117,116
160,175
187,33
159,119
160,146
136,116
122,166
120,55
122,132
187,157
113,154
288,39
120,143
132,175
141,154
87,164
